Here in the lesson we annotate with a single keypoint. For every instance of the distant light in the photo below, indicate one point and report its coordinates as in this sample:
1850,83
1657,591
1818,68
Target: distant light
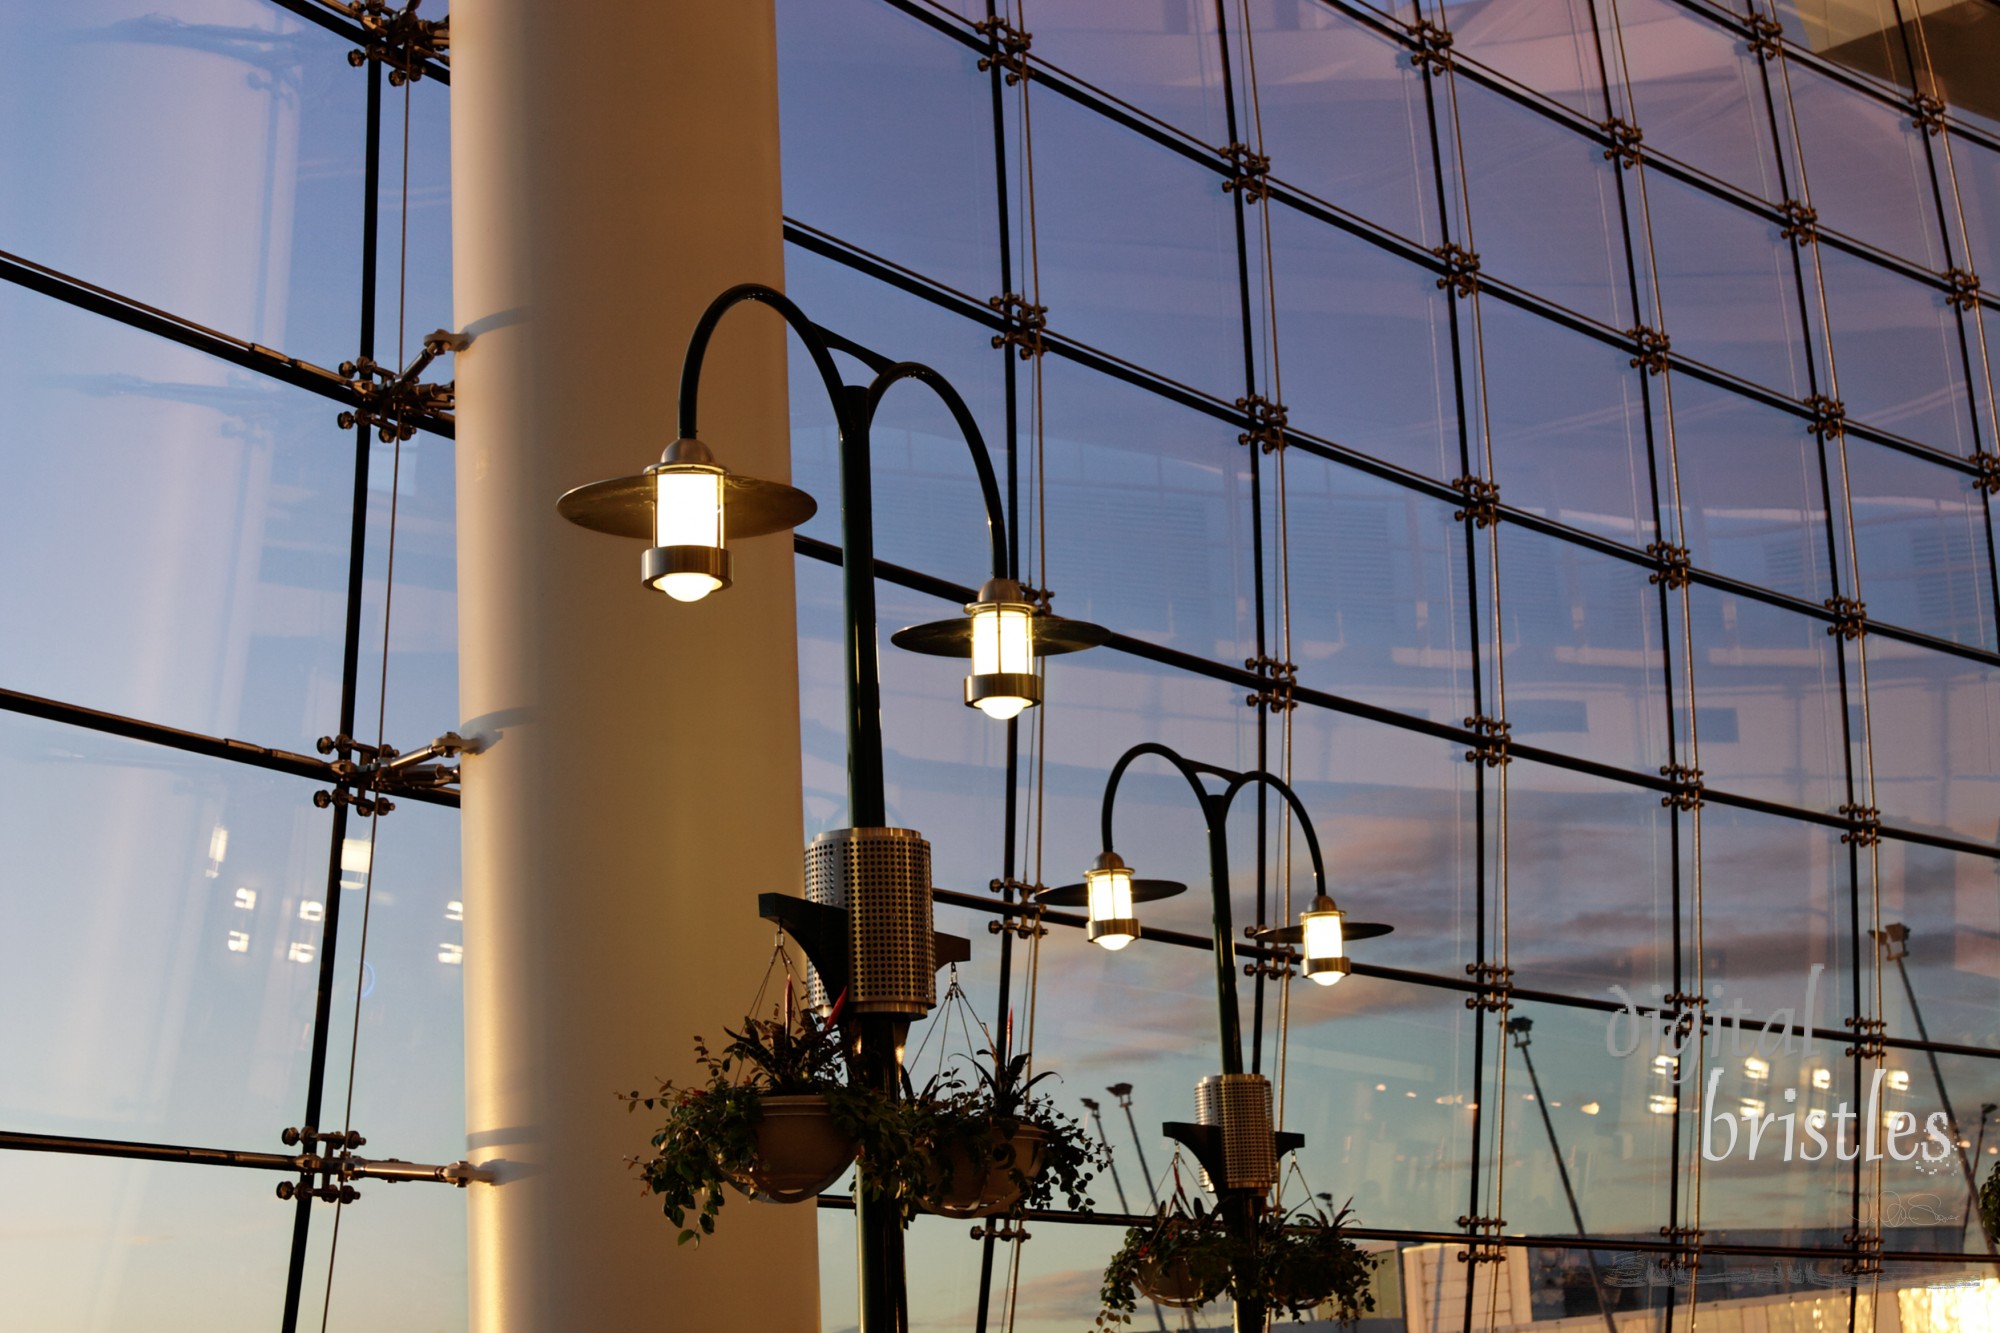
239,941
218,844
1899,1079
454,910
1527,1096
1816,1118
1590,1108
453,954
1666,1064
1822,1079
300,952
1753,1106
1662,1103
1756,1067
312,910
356,855
1381,1087
247,899
1409,1094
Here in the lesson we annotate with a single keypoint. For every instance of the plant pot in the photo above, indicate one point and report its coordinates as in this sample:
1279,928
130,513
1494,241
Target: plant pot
981,1183
1174,1283
800,1151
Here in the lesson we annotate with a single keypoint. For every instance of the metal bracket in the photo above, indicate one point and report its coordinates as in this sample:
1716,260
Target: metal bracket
1001,1231
1867,822
1253,174
1687,789
1869,1261
1766,37
1482,1251
1482,501
1625,140
1829,416
821,930
328,1167
1686,1254
1800,223
1267,421
1868,1034
1496,987
1492,747
1281,681
398,38
1025,324
1927,114
1433,43
1205,1142
364,774
1024,929
1988,479
1461,268
391,402
1674,564
1850,621
1010,46
1653,346
1964,285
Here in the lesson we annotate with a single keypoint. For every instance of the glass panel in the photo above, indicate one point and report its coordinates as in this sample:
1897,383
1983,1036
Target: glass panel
1768,702
417,285
1545,209
1344,118
162,950
200,514
1728,289
1866,167
1367,342
1699,95
1565,416
1896,348
1148,515
1752,503
1551,48
1941,958
1920,542
1583,657
887,133
210,168
1976,169
1137,249
1591,886
1378,599
94,1244
1162,56
1934,721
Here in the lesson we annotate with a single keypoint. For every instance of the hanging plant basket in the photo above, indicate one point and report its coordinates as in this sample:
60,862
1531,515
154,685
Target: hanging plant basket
1177,1279
800,1149
979,1180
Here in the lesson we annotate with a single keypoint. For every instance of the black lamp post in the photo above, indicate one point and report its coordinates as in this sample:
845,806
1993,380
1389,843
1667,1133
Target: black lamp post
1234,1141
868,887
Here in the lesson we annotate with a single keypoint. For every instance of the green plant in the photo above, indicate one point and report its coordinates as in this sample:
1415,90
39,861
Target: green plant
951,1122
1989,1204
1295,1261
709,1138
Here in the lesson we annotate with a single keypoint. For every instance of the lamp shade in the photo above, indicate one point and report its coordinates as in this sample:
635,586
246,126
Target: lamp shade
688,559
1003,680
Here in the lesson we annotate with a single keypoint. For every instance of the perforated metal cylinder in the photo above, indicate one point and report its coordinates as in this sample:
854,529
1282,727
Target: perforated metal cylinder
882,876
1241,1105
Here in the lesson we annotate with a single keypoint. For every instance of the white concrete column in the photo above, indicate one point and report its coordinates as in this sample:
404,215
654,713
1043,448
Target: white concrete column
615,165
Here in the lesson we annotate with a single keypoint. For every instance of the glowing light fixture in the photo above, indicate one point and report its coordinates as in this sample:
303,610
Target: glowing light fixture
689,507
688,559
1111,894
1324,940
1006,635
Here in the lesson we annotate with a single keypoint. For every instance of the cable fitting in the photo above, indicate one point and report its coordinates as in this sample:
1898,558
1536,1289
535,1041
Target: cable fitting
1686,791
1008,48
1252,173
1625,140
398,38
1025,323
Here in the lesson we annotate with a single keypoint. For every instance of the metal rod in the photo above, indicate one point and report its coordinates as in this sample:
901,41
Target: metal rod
1123,1092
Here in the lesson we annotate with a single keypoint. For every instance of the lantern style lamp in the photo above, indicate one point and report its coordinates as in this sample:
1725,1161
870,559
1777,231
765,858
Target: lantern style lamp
1111,893
1004,634
687,505
1322,936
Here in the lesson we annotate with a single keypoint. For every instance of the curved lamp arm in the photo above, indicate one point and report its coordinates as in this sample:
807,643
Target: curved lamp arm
704,329
1283,789
1187,768
982,460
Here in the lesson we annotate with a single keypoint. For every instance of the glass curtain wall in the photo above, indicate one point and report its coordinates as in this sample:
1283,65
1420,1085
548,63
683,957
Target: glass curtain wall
1558,438
212,210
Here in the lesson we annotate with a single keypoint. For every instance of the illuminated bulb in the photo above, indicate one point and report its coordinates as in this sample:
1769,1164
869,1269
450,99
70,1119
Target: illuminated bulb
1113,923
688,559
1003,680
1324,942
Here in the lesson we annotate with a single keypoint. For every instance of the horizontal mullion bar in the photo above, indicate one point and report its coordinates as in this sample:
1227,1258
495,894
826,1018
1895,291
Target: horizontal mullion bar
147,1152
247,355
305,766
